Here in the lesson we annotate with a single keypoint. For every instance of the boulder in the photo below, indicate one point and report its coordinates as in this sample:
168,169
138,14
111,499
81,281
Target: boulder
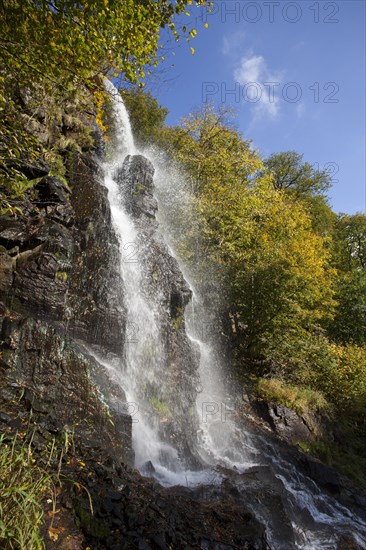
288,424
135,180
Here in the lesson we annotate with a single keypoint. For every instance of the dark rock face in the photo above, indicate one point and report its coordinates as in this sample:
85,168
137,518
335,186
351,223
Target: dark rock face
288,424
133,512
61,261
60,284
96,291
324,475
166,288
57,382
136,178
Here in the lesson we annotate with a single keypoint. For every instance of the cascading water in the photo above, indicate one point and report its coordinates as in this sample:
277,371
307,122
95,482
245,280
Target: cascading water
143,346
316,519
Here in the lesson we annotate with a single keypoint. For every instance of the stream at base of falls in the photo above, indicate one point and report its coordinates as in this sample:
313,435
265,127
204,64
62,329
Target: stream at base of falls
186,429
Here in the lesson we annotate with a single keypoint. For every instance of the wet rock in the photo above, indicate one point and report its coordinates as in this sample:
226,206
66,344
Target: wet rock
288,424
159,540
58,386
6,272
148,468
95,291
135,179
39,283
53,196
285,422
347,542
324,475
12,231
59,281
144,546
137,520
60,261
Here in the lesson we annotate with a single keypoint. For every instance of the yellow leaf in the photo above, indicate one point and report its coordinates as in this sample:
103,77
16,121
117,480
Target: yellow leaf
206,25
54,532
53,536
192,51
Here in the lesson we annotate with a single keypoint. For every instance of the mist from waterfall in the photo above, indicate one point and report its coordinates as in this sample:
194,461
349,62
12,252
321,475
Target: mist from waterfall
220,440
143,346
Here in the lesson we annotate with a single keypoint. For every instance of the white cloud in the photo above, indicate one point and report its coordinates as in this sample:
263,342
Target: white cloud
232,43
260,85
300,109
250,69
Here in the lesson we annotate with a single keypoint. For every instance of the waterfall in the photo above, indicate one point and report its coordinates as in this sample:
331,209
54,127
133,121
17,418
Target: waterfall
143,345
163,441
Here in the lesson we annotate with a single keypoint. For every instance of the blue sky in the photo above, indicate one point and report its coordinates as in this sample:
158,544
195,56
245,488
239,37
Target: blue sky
297,73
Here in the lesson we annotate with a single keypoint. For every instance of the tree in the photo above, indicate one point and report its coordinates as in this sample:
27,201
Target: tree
277,267
350,242
349,323
146,115
349,257
291,174
274,268
90,38
303,182
210,149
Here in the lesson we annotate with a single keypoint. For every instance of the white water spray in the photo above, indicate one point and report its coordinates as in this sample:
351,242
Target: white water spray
143,345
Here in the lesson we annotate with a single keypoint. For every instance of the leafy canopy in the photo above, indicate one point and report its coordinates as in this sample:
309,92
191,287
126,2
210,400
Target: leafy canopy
303,182
79,40
146,115
210,149
253,231
302,178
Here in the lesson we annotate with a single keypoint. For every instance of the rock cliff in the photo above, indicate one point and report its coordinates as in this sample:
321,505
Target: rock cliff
61,293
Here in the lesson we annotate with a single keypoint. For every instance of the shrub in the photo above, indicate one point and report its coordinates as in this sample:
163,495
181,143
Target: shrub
302,400
23,487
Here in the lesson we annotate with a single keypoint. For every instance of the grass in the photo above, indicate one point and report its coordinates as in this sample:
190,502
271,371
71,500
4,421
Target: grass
23,487
349,462
160,407
301,400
